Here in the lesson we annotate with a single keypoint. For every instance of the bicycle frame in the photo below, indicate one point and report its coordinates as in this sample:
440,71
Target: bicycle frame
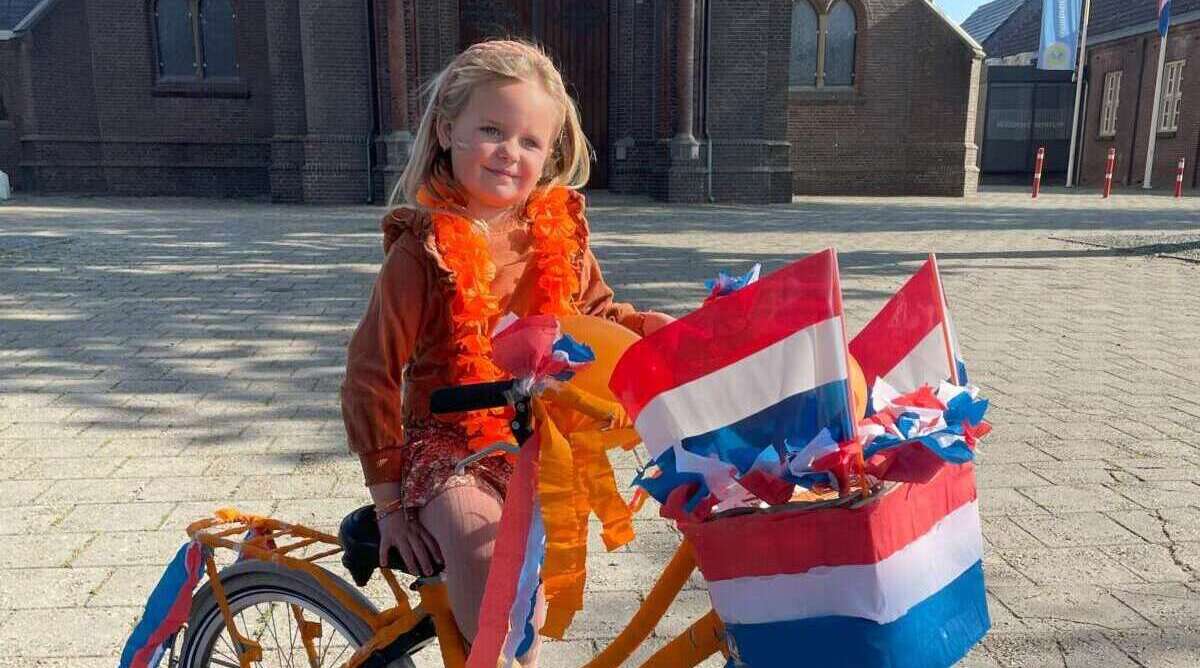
271,540
277,542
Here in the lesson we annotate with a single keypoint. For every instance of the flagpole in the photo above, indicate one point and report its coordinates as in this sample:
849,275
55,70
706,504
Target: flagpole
1162,57
1087,8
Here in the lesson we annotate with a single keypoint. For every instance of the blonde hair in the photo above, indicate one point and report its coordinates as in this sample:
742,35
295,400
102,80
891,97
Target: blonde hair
492,61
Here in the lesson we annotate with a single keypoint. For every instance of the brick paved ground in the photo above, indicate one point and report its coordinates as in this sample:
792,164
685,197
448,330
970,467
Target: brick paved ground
159,358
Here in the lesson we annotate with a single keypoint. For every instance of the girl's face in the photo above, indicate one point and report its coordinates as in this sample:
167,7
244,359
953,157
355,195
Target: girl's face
499,144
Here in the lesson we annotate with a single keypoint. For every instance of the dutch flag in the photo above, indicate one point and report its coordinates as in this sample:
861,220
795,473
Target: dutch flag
1164,16
762,367
911,341
898,582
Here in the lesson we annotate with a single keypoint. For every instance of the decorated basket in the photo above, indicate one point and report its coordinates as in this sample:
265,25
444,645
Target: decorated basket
896,582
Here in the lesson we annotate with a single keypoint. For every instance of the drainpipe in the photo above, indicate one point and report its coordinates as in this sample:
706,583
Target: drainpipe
707,97
369,21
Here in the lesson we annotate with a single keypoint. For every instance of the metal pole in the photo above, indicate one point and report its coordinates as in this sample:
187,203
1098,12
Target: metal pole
1087,9
1037,170
1162,57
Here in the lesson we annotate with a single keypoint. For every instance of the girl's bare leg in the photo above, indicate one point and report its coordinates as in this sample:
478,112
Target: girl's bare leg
464,520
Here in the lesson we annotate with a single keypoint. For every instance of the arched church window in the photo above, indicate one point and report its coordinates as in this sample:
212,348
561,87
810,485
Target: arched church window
839,45
195,39
802,70
823,45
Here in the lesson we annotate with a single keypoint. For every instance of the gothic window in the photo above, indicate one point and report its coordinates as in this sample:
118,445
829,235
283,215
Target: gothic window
839,45
196,39
823,45
803,68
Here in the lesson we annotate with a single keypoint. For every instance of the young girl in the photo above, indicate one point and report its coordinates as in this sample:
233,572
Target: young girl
493,225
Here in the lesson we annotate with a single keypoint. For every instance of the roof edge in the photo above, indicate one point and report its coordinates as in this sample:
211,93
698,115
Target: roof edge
39,10
962,34
1143,27
6,35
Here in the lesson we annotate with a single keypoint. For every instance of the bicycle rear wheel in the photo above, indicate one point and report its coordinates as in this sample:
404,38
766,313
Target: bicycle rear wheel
264,599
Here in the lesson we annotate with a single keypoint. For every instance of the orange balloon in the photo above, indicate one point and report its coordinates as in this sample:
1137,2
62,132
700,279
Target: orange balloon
608,341
858,389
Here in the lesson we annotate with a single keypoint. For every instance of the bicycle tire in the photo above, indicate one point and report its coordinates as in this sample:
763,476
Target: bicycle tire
253,582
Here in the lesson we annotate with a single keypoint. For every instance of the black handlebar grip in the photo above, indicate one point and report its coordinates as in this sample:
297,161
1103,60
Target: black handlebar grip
477,396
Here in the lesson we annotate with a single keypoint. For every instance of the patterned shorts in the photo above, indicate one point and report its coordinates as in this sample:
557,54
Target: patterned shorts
435,448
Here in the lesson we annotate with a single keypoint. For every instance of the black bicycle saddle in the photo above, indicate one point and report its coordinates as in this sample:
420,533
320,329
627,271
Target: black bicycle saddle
359,536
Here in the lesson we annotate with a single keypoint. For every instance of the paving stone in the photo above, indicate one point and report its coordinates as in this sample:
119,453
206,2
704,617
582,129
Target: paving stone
1009,532
285,487
40,550
604,614
31,519
1080,472
198,488
159,467
102,490
26,588
131,548
1060,499
71,468
1161,526
1160,648
1071,606
1152,563
115,517
1077,529
1006,475
1161,494
1003,501
1073,564
1081,649
1167,605
50,633
21,492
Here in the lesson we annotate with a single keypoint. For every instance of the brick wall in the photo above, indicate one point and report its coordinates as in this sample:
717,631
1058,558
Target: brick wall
101,124
907,127
746,113
10,113
1137,58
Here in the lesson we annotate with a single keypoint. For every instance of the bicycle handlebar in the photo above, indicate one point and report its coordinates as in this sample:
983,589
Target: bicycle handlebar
477,396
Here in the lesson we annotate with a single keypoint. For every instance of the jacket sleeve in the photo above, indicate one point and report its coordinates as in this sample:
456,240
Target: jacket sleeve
375,360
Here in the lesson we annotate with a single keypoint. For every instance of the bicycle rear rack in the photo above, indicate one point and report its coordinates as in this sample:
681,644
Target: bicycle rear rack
297,547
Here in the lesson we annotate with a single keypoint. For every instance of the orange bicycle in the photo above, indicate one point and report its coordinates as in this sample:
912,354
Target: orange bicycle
278,605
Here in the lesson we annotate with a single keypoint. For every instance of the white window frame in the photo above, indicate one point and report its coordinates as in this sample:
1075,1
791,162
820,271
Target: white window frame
1168,116
1108,106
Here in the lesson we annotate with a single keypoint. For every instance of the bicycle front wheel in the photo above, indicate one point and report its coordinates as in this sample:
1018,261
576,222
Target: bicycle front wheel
270,605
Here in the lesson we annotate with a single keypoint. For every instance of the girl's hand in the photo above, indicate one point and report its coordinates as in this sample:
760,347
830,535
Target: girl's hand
653,321
417,548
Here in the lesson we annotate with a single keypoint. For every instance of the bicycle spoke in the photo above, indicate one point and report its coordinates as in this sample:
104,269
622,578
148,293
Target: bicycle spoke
258,620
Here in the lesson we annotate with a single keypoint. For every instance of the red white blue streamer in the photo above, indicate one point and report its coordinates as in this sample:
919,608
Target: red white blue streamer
167,609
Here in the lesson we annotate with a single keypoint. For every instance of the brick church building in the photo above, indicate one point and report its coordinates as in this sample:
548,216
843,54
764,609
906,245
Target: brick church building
305,101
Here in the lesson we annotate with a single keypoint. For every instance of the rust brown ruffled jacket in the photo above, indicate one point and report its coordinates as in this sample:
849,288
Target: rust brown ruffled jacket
402,349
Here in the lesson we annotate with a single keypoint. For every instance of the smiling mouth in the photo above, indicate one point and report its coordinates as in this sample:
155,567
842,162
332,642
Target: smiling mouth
500,173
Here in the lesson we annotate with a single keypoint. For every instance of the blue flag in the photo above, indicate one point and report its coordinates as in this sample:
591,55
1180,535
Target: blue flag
1060,34
1164,16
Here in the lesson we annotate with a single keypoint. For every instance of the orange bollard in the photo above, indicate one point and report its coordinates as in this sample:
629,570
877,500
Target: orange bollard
1037,170
1108,171
1179,178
